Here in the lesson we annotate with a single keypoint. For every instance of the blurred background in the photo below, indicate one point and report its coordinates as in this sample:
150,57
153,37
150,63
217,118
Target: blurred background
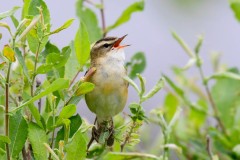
150,31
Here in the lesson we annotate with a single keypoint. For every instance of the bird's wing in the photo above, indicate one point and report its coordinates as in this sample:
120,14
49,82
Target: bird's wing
89,73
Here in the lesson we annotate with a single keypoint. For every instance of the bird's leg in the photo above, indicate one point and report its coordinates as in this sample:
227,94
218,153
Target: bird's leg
95,135
95,121
110,140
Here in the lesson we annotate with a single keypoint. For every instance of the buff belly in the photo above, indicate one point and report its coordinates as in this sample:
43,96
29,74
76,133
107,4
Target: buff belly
109,95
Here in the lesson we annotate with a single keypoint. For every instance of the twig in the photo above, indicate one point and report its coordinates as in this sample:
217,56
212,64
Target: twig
10,95
165,150
74,78
216,114
40,100
35,67
6,109
128,136
103,19
24,153
208,147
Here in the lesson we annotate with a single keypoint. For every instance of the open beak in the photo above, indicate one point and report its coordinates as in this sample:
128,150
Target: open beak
117,43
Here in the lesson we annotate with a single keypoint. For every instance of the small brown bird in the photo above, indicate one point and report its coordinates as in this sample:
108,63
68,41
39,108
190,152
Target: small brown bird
110,94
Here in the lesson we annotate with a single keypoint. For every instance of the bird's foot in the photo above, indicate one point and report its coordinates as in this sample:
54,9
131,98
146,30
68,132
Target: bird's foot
95,136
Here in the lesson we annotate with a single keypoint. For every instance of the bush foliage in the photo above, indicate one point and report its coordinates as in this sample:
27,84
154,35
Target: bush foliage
40,91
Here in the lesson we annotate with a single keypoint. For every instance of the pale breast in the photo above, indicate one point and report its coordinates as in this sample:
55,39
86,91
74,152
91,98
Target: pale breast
110,93
109,74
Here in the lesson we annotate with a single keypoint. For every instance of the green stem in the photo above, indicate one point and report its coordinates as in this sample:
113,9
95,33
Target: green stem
7,108
166,150
35,67
53,109
7,103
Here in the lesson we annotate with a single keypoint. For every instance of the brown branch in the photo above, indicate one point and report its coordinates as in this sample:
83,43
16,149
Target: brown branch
208,147
103,18
74,78
40,100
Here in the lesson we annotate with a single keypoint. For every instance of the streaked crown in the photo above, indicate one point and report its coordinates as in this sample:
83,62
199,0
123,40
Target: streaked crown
103,46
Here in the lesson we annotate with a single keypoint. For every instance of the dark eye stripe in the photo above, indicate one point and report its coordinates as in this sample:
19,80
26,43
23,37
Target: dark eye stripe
106,45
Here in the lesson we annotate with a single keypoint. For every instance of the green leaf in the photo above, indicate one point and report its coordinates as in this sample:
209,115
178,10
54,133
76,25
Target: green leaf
132,83
9,13
176,88
176,117
64,26
36,114
84,88
142,84
236,150
58,84
15,21
154,90
76,122
72,65
225,93
76,148
129,155
127,13
185,47
21,26
30,29
199,44
54,60
49,48
235,6
89,18
5,25
5,139
170,105
82,45
25,8
22,63
37,138
2,65
33,10
198,117
137,64
229,75
37,32
68,111
17,133
134,107
9,53
191,62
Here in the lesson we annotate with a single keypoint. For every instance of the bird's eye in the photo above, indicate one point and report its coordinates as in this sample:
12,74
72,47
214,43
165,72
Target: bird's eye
106,45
